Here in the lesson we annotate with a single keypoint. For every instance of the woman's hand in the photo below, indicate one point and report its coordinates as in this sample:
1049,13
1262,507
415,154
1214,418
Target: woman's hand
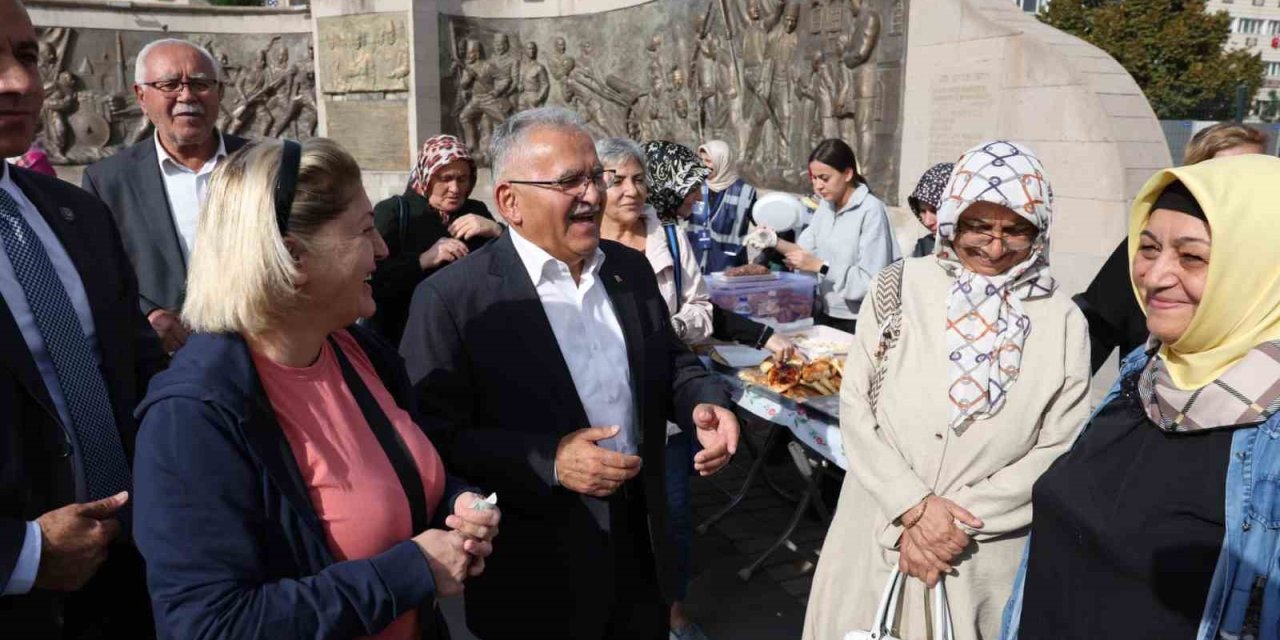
781,346
444,251
449,561
472,226
933,541
802,260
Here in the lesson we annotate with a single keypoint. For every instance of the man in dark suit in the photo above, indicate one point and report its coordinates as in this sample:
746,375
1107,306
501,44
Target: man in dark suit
547,369
155,187
75,356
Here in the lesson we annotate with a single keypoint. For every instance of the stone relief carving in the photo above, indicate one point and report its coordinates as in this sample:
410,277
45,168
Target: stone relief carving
364,54
773,77
90,110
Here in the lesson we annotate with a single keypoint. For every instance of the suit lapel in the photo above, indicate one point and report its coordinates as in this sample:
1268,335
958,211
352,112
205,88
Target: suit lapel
624,307
19,360
532,333
148,189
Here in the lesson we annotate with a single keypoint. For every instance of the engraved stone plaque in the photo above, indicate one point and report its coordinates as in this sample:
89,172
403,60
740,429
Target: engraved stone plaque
364,53
376,132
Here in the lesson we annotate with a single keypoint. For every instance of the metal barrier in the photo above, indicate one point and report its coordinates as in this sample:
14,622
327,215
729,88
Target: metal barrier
1178,133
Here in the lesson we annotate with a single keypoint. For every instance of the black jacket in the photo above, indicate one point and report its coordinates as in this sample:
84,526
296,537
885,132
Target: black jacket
130,184
37,473
233,543
399,274
1110,306
491,380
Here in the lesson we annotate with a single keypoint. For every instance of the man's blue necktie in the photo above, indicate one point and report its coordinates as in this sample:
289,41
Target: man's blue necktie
84,389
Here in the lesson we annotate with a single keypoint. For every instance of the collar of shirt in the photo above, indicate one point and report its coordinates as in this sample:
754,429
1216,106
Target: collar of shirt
536,260
7,183
859,195
169,166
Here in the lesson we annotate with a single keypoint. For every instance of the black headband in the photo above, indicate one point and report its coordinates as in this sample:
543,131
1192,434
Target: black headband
287,182
1177,197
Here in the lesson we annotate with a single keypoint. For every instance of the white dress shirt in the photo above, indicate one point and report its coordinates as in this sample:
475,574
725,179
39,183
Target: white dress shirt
186,190
24,573
590,339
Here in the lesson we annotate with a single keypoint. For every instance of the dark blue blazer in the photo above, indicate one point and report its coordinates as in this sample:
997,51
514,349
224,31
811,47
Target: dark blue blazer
234,547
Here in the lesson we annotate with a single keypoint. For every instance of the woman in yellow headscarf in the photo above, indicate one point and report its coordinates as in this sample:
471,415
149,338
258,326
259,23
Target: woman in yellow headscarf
1164,519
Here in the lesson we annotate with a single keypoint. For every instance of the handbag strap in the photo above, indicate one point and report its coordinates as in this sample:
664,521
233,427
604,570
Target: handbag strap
888,609
674,247
887,305
393,445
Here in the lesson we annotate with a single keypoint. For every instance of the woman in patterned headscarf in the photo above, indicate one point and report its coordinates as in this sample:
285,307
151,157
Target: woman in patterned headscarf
982,388
1164,519
924,203
428,227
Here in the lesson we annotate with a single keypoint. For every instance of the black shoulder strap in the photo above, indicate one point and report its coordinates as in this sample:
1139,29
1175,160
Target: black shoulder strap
392,444
673,245
403,212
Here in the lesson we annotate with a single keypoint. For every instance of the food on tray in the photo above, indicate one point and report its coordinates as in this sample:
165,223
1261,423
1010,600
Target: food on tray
746,270
797,378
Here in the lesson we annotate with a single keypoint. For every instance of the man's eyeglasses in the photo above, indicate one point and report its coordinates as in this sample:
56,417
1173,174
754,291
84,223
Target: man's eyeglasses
175,85
574,185
971,238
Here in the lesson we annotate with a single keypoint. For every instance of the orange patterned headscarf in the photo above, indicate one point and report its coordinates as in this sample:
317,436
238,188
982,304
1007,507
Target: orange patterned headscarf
437,152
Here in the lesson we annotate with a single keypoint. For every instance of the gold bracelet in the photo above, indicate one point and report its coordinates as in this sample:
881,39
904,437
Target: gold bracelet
924,505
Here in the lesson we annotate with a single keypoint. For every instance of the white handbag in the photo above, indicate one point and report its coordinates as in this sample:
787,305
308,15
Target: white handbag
888,610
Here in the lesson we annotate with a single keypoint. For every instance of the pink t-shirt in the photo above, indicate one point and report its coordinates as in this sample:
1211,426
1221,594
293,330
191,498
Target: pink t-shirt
353,486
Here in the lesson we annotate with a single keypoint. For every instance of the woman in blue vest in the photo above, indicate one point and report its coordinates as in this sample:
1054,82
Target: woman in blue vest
1163,521
717,228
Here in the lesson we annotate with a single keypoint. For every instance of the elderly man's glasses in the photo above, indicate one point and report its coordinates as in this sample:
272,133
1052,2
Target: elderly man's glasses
175,85
574,185
973,238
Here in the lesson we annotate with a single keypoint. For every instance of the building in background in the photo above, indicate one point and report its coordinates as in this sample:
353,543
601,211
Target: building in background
1255,26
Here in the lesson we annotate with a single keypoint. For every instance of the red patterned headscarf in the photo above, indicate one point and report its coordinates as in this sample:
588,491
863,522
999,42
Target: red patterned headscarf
437,152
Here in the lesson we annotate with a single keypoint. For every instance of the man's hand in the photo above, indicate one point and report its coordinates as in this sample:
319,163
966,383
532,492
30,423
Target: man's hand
444,251
585,467
173,334
478,525
74,542
472,226
717,430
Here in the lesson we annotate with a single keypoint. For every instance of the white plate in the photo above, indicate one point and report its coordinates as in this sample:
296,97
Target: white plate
778,211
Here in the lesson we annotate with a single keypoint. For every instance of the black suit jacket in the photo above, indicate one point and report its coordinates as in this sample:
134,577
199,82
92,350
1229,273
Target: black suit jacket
497,397
132,187
36,470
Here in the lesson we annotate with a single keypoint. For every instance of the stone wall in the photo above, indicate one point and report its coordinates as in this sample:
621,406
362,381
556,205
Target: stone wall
980,69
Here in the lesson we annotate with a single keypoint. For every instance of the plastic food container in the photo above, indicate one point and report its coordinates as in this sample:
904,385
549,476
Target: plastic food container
781,300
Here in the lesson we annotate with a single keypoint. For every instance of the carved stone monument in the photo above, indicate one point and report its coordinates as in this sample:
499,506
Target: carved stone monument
771,77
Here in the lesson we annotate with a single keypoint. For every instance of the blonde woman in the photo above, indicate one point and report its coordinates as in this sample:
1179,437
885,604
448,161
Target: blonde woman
284,489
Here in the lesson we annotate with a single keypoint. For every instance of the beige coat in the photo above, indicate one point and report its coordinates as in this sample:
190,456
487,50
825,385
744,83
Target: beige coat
906,450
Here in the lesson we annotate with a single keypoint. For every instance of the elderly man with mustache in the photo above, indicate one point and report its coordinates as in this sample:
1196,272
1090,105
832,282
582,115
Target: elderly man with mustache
155,188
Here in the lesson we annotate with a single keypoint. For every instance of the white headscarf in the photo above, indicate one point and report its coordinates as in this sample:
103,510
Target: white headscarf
987,326
725,172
